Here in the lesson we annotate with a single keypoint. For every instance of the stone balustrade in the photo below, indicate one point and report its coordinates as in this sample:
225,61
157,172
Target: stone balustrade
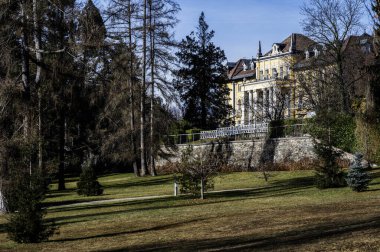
259,128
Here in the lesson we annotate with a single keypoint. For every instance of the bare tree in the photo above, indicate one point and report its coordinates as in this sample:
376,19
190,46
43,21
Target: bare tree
317,85
161,22
198,169
330,23
124,25
143,88
146,28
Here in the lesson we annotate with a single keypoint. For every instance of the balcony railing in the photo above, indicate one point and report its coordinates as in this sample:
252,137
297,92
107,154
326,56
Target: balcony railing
261,128
240,132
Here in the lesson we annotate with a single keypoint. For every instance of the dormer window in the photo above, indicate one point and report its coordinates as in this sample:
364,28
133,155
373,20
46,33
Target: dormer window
275,49
245,68
324,49
252,65
316,52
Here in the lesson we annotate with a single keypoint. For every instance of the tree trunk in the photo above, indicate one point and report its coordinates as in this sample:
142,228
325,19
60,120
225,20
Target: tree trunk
202,188
132,100
152,59
37,47
203,113
62,143
142,98
26,79
343,89
25,55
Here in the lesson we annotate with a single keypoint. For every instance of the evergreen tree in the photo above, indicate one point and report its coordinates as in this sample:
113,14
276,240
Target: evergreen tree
123,26
328,173
88,184
375,68
26,222
201,80
357,178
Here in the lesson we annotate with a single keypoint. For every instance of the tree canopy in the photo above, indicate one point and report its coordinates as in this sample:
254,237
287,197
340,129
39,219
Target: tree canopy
201,79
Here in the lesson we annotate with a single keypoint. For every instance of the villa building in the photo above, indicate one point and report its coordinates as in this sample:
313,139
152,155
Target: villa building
267,87
264,88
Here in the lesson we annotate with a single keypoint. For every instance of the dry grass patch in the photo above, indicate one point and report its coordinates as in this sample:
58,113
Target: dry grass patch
288,214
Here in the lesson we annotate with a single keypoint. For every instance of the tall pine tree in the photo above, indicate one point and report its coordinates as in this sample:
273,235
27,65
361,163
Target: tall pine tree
201,80
375,69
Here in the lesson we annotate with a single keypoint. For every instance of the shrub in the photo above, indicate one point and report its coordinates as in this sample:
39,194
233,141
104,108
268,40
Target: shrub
286,128
180,127
197,171
88,184
331,130
340,129
288,165
192,138
357,178
328,173
26,224
368,138
168,168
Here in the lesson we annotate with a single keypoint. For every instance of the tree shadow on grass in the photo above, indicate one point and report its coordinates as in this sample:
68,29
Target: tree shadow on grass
275,188
290,186
134,207
58,194
68,202
67,192
287,239
3,228
375,174
155,228
152,182
278,189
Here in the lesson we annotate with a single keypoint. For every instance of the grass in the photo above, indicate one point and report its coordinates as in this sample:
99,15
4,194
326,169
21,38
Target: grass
286,214
127,185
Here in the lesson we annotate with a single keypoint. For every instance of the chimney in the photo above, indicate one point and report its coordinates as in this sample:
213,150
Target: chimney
293,42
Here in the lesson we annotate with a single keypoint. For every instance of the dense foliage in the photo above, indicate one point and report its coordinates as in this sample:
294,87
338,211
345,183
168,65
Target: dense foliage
201,79
357,178
88,184
325,129
328,173
337,128
26,221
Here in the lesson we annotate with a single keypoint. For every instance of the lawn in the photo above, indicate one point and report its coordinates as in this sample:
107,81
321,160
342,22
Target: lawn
286,214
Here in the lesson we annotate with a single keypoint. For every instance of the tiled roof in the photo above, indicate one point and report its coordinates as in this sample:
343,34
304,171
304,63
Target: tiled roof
301,43
238,71
357,41
230,65
352,45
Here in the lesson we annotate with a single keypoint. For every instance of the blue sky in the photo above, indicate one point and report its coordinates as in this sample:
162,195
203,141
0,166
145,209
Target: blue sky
240,24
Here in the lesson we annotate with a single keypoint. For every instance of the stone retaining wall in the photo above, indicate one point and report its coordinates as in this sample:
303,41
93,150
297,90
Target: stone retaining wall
250,153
